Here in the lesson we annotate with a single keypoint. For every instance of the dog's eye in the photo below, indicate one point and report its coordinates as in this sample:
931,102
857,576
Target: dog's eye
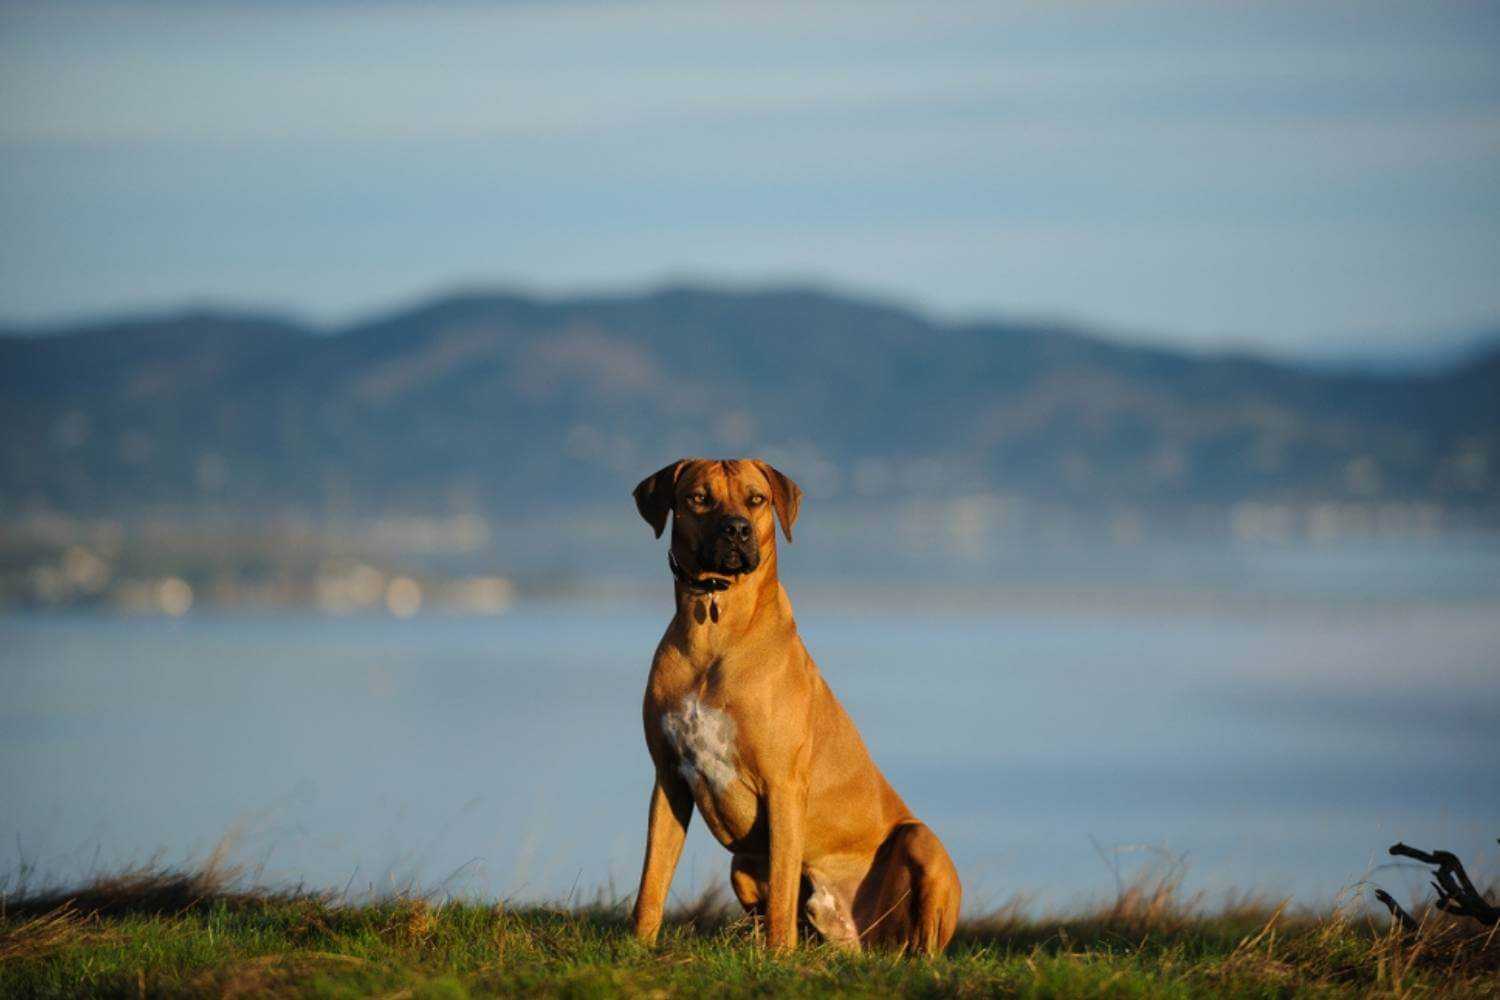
698,498
756,500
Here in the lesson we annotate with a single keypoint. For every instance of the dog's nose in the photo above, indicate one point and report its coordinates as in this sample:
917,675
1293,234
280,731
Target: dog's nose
736,529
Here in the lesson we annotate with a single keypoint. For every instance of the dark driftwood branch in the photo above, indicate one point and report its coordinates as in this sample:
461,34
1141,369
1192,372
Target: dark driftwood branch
1402,918
1456,893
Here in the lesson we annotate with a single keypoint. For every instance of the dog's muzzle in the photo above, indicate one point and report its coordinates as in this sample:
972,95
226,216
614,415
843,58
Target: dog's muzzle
731,549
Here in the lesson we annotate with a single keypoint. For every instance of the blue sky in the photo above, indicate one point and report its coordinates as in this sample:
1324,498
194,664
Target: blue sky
1302,178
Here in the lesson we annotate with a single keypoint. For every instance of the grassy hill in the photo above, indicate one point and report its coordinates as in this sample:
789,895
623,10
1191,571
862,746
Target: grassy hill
175,934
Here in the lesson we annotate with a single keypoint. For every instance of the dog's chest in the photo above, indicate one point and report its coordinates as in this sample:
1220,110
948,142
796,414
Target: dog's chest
703,739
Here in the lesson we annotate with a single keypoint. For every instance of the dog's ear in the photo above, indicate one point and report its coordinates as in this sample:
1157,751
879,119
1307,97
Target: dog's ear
655,495
786,497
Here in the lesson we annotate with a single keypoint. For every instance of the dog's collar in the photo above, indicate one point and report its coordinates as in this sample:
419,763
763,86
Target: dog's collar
712,584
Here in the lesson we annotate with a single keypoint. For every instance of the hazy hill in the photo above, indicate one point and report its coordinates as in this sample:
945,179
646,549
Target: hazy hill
509,402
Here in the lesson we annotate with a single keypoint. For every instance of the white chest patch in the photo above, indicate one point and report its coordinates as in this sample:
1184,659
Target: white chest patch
703,739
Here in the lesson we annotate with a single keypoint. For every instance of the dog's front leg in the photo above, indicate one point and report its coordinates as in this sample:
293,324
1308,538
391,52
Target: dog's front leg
666,829
787,806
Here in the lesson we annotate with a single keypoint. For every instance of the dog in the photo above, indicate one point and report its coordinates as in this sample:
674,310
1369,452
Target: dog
740,723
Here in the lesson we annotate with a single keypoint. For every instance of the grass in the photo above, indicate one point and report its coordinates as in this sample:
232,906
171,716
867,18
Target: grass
167,933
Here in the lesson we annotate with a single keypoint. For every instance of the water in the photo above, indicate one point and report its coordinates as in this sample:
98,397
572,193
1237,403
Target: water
1279,747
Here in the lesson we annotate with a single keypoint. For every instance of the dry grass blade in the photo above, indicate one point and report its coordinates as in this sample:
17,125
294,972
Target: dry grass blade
1254,940
41,934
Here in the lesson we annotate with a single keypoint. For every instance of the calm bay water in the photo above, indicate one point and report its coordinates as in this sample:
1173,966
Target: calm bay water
1279,747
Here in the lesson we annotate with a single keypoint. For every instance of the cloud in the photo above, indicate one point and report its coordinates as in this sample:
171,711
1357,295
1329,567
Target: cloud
255,73
1263,172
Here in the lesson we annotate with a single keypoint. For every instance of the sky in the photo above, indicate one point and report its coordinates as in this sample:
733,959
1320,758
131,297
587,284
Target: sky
1301,179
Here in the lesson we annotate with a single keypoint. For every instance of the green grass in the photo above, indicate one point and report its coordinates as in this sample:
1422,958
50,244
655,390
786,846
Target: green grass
174,934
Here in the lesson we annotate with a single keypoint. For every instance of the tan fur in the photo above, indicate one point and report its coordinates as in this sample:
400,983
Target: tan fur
816,832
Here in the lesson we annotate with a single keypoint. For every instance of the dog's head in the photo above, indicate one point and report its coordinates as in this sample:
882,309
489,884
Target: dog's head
724,513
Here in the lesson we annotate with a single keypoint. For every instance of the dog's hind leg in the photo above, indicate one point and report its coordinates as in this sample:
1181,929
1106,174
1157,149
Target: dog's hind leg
937,889
910,899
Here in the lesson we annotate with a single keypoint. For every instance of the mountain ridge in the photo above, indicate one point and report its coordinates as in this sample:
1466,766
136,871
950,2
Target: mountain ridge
1407,357
464,399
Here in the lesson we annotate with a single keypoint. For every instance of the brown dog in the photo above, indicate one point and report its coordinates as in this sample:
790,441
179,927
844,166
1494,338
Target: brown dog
740,723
